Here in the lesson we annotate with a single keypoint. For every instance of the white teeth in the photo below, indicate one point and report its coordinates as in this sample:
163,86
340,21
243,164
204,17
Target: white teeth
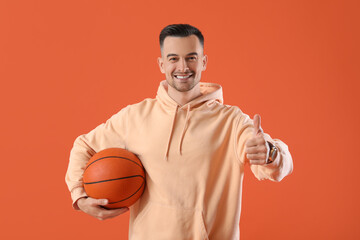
183,77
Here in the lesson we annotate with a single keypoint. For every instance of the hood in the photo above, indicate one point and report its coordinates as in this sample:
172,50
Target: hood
210,92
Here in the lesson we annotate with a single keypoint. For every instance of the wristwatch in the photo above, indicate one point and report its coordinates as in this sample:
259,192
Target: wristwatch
272,154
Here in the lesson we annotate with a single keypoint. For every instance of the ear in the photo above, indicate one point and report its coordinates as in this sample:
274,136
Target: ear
204,61
161,64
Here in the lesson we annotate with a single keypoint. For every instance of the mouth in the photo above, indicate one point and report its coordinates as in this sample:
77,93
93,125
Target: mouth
183,76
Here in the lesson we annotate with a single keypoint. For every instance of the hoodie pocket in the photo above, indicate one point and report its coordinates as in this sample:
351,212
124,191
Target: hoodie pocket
163,222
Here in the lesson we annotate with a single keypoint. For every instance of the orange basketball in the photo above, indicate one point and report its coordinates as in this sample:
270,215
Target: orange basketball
115,174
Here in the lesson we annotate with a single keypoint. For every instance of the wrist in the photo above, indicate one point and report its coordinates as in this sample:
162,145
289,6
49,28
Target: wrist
78,202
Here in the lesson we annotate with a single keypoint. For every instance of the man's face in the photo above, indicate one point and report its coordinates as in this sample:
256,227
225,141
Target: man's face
182,62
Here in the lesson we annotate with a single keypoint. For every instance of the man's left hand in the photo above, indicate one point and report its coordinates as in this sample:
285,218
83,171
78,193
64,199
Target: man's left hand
256,148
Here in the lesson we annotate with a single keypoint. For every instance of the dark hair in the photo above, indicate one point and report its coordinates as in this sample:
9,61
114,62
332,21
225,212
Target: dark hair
180,30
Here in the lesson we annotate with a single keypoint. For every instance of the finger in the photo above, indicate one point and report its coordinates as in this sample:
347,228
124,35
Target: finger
252,142
103,202
256,149
255,141
106,214
256,156
123,210
257,124
115,212
257,162
98,202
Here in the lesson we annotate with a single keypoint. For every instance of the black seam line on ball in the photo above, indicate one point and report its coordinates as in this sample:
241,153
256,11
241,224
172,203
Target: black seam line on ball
114,179
113,157
129,196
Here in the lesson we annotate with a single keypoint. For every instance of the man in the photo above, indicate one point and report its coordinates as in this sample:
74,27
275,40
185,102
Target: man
193,148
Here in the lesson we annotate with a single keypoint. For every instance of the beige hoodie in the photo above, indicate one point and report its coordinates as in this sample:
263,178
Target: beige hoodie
194,160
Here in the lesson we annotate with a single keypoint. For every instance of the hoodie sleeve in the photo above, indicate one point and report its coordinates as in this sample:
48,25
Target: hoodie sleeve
275,171
110,134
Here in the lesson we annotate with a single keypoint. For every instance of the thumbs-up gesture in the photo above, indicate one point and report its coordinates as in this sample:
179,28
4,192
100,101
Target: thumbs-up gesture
256,148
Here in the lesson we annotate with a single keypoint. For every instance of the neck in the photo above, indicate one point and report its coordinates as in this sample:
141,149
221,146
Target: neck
183,98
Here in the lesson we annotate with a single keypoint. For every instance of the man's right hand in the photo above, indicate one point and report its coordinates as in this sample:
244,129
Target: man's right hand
94,208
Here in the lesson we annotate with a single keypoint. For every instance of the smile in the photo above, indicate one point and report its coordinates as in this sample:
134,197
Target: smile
183,76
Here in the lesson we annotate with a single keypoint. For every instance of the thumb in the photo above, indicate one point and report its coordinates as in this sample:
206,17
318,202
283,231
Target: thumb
101,202
257,124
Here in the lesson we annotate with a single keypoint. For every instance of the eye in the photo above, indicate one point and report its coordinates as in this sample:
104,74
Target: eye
173,58
192,58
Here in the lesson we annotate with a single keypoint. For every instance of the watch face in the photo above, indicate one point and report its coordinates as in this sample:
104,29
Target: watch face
272,154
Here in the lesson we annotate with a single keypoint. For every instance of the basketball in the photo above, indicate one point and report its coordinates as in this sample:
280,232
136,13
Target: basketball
114,174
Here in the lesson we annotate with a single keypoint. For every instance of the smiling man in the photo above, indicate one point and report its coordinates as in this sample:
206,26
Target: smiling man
182,68
194,149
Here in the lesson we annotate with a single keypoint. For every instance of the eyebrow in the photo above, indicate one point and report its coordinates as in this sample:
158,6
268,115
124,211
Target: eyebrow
173,54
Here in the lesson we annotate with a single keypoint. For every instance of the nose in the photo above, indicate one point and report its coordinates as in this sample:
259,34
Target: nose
182,65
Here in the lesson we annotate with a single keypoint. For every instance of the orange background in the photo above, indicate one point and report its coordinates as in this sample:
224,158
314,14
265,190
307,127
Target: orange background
67,66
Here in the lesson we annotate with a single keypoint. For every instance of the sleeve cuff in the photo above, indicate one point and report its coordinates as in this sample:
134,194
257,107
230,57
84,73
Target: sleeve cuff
76,194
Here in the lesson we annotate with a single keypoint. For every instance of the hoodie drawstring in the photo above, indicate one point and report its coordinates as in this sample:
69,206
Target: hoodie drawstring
210,93
171,131
182,133
185,126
